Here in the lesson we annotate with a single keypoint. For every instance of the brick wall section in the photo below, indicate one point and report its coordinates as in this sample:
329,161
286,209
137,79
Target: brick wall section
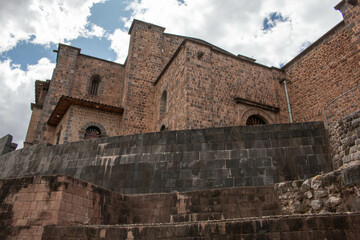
71,77
109,90
78,117
183,160
62,200
336,191
174,82
205,88
344,138
59,85
58,200
325,70
331,227
216,78
143,65
34,121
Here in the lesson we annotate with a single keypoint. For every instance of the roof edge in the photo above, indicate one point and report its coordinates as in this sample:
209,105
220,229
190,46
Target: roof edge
314,44
143,22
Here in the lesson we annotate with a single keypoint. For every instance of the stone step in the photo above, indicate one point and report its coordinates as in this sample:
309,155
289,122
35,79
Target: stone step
344,226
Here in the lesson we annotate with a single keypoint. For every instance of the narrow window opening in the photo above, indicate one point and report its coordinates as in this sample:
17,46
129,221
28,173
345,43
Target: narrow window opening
255,120
58,136
163,103
92,132
95,80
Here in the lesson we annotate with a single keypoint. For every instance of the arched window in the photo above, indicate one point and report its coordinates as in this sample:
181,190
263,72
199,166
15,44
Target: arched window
163,103
92,132
94,85
163,128
255,120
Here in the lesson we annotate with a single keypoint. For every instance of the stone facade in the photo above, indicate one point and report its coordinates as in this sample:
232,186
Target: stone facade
344,138
61,207
208,179
204,85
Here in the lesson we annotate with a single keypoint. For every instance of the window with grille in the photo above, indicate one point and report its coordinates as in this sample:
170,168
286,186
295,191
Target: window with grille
255,120
92,132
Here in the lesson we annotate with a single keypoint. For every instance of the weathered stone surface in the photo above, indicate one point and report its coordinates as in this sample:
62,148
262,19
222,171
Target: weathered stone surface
331,227
344,140
182,160
337,191
6,144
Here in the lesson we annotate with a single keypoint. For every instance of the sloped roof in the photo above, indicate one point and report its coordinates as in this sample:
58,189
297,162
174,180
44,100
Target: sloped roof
65,102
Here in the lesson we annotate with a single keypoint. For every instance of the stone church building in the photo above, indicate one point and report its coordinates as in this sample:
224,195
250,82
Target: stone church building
213,178
171,82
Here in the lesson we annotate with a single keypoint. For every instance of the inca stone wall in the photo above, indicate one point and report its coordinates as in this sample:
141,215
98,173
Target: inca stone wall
344,138
183,160
337,191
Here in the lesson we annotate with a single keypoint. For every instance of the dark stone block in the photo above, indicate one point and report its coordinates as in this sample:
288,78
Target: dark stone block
351,175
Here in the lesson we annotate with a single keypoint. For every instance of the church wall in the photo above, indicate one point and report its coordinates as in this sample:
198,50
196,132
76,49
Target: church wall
109,89
215,79
59,85
327,69
143,65
77,117
34,121
174,82
149,51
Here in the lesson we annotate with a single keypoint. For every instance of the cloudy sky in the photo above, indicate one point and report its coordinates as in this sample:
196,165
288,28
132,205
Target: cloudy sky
271,31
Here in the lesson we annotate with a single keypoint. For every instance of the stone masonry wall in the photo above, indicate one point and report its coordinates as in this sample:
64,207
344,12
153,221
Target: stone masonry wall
325,70
337,191
81,116
59,85
183,160
175,83
344,138
49,200
214,79
144,63
213,204
62,200
109,89
71,77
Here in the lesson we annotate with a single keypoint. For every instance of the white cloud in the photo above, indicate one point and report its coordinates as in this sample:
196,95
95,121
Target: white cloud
45,21
16,95
237,25
119,44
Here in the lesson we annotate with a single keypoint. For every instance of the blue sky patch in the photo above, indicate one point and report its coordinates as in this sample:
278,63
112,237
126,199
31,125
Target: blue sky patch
97,47
109,15
272,20
27,53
